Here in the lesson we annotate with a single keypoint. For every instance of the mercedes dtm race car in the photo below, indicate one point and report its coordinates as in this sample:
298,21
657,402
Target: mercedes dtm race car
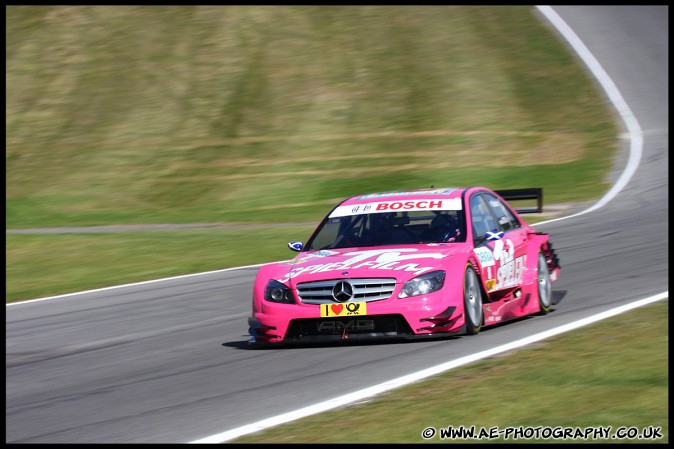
406,264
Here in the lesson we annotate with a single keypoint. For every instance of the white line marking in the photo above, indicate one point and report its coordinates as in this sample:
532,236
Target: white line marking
635,133
131,285
420,375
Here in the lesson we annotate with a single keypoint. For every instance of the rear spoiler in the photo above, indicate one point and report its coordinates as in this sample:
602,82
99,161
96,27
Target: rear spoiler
524,194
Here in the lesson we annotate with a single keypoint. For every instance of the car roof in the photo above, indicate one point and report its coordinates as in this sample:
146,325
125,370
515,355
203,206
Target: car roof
432,193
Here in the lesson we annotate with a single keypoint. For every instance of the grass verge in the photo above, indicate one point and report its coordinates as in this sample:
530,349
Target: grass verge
41,265
180,114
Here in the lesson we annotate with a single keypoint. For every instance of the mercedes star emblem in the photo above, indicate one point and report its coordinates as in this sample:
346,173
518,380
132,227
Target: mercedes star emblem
342,291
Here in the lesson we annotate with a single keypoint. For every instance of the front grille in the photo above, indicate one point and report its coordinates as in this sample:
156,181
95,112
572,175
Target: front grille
364,290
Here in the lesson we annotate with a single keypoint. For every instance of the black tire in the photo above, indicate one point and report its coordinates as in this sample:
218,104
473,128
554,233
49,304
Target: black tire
544,285
472,302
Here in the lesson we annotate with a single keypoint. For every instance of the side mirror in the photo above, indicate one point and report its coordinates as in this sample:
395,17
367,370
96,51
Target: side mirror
296,246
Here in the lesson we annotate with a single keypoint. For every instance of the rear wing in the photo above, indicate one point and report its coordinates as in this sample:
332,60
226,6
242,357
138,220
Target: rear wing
524,194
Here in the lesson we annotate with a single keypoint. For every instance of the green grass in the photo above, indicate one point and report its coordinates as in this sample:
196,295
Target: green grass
176,114
66,263
272,114
612,373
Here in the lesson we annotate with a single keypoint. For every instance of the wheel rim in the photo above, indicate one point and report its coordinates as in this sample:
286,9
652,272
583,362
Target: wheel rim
473,299
544,284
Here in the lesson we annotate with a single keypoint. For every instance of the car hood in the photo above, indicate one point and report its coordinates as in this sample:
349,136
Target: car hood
402,263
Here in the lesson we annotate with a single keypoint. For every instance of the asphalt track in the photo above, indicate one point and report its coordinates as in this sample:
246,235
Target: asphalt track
167,361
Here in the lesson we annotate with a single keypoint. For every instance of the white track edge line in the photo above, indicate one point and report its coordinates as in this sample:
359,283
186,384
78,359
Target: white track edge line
131,285
368,392
633,128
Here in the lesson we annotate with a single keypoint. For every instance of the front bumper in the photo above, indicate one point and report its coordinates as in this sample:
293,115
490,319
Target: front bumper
406,318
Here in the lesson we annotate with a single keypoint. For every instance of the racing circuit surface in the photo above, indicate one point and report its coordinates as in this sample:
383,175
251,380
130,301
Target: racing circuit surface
167,361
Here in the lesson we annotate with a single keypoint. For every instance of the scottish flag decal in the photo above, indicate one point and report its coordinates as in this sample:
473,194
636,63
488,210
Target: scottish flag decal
498,235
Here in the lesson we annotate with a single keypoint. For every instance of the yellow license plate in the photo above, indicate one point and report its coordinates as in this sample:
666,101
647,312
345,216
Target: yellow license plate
345,309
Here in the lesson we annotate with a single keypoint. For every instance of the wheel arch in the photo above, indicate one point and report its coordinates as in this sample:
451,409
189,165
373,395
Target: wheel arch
540,242
475,263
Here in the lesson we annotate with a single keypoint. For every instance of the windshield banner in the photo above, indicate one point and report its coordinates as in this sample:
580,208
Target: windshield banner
395,206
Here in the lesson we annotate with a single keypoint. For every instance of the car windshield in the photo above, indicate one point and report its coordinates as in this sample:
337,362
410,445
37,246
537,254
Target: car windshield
391,228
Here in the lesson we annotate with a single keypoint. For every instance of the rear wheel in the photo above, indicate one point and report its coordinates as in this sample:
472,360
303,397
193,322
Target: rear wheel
472,302
544,285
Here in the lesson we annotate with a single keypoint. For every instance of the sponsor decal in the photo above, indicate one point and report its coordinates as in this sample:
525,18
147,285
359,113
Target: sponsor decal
510,274
345,309
375,259
410,205
393,206
360,209
324,253
510,268
307,257
353,325
486,257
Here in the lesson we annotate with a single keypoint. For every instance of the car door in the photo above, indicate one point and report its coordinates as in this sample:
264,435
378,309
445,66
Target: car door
499,240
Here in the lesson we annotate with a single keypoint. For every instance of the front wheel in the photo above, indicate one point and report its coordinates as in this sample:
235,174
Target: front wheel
544,285
472,302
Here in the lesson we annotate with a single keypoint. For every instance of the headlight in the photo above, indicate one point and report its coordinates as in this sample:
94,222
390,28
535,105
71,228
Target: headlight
277,292
421,285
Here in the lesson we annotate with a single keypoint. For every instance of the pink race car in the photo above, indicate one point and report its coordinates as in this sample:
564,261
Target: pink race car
407,264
